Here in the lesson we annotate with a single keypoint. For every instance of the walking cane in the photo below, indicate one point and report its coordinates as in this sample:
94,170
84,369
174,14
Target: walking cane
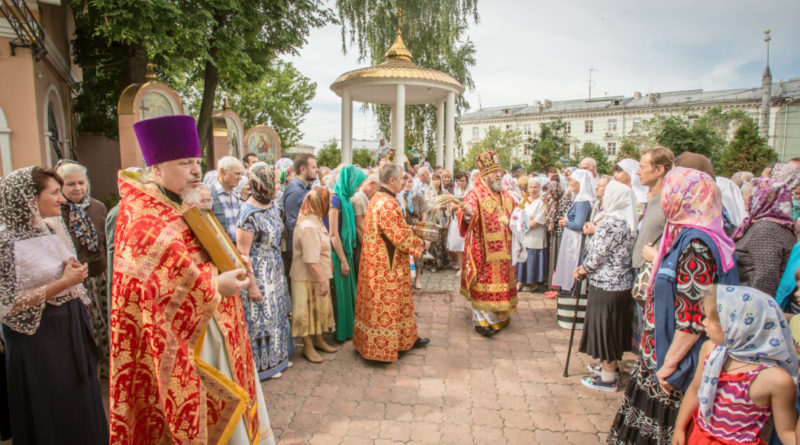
576,291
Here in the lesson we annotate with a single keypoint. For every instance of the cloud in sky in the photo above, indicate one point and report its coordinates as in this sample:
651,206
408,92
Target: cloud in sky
535,50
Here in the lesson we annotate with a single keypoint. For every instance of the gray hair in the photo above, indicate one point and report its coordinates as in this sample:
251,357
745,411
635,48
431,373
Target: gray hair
390,171
228,162
591,162
69,168
374,178
604,177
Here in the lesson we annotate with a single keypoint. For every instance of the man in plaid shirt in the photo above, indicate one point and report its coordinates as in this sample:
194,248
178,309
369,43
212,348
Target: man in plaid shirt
225,199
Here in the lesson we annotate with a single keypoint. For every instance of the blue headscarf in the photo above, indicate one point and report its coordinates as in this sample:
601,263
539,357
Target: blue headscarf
756,331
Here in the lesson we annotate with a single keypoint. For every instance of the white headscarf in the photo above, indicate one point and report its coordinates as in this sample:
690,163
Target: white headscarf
631,166
542,180
732,200
618,200
587,183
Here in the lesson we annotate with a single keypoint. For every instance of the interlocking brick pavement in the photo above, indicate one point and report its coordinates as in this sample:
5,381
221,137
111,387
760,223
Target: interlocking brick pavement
462,389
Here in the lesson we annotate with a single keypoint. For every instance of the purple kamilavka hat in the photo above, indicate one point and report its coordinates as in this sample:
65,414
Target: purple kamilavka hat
167,138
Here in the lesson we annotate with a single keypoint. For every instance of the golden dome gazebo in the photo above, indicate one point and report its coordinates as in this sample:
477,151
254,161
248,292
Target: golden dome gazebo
398,81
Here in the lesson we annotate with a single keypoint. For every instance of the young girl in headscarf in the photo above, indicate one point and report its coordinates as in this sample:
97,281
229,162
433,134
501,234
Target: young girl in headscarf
749,372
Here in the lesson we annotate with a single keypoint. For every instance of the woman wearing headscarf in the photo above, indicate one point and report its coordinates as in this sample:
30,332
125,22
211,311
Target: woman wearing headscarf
765,238
85,218
694,254
789,174
311,272
51,355
582,184
266,299
342,223
733,210
532,270
558,203
609,309
437,214
625,173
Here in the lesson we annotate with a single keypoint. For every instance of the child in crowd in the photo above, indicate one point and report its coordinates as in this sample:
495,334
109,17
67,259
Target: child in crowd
749,372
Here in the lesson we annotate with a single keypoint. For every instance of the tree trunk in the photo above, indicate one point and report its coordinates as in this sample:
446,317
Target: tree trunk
210,83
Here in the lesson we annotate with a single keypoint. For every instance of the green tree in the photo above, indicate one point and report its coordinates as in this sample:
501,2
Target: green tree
628,150
279,99
747,151
596,152
362,157
501,141
329,155
209,43
547,147
434,31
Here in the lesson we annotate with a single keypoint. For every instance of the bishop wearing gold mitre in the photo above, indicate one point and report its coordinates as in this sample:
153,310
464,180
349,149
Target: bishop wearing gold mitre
384,311
488,279
181,367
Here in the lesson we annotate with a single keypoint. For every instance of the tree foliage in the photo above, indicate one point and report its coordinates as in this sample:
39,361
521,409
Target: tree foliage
362,157
501,141
628,150
596,152
707,134
329,155
279,99
434,32
748,151
208,43
547,146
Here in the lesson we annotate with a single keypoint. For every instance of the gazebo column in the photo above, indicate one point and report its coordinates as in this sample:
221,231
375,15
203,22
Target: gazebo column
451,130
347,127
440,133
400,121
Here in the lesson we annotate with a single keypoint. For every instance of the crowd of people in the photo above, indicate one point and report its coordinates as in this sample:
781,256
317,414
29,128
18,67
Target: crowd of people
696,274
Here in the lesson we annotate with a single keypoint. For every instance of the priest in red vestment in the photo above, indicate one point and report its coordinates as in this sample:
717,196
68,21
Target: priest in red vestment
181,367
488,279
384,312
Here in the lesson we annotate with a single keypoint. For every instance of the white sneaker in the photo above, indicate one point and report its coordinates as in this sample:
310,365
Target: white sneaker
277,375
428,256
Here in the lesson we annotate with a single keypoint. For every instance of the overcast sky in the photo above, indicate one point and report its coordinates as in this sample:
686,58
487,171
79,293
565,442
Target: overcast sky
535,50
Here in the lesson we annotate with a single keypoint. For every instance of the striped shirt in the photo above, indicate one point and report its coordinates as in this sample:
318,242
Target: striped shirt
735,418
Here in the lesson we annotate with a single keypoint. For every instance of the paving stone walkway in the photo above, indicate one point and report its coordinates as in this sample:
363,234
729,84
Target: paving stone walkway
462,389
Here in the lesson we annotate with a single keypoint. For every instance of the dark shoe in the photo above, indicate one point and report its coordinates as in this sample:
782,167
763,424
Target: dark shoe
485,330
421,341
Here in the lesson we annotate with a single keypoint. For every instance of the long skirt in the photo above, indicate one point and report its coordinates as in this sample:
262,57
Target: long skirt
534,269
552,256
53,391
345,298
647,414
267,320
607,324
312,314
96,288
455,242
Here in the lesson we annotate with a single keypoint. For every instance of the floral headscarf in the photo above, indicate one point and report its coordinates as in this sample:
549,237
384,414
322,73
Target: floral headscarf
283,166
770,200
787,173
261,178
80,225
691,198
755,331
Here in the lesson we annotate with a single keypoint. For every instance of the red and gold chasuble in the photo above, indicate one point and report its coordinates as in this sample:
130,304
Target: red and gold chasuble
384,311
488,280
164,294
